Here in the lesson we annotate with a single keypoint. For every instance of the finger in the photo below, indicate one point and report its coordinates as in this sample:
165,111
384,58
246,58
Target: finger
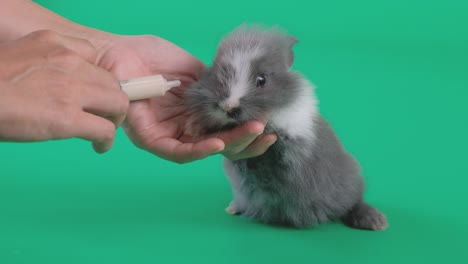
240,145
178,58
117,120
174,150
112,106
240,137
95,129
257,148
236,137
103,96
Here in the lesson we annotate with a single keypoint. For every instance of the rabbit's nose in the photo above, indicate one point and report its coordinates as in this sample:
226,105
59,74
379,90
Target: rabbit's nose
228,105
232,109
233,112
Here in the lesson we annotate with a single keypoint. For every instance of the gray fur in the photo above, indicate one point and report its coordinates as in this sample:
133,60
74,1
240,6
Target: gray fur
213,87
300,181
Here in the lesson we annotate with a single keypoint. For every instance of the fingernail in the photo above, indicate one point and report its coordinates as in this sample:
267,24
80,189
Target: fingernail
262,130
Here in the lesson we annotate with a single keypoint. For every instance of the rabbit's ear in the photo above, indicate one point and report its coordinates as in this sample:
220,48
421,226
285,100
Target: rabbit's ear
290,42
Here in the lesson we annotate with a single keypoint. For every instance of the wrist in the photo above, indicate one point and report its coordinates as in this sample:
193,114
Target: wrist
21,17
99,39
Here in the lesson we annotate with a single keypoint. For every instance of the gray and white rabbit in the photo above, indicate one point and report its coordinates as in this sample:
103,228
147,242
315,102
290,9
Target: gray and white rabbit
306,177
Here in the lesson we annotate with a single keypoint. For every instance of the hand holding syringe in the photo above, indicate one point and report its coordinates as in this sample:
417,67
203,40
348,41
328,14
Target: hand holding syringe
147,87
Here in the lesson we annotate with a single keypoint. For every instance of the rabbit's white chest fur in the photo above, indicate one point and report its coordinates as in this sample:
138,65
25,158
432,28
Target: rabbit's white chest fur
297,119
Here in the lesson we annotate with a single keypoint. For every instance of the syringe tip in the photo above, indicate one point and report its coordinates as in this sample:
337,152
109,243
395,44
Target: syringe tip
171,84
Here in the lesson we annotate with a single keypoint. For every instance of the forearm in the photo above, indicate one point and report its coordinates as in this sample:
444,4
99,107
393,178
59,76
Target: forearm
20,17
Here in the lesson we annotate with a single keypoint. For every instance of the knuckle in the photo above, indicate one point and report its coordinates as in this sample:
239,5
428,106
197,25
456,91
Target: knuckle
45,35
107,131
92,51
63,57
124,103
86,50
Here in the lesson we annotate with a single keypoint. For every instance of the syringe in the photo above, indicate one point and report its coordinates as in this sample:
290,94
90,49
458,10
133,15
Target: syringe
147,87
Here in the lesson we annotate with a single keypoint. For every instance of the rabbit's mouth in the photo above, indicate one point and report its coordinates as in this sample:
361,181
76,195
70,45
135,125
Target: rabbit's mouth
220,118
227,115
236,114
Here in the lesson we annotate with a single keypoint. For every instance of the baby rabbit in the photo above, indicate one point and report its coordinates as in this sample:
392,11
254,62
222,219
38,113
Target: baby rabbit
306,177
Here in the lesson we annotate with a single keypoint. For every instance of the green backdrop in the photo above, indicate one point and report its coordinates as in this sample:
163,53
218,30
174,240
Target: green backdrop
392,79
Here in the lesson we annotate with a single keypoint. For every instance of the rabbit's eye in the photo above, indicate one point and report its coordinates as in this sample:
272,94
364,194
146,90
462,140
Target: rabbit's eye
261,80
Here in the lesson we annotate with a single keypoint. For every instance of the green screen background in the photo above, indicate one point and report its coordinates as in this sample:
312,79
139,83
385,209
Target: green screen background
392,78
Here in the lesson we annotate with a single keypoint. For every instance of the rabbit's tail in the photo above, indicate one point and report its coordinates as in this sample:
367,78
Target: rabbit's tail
364,216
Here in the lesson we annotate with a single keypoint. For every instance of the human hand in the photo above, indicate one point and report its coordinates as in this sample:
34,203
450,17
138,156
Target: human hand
51,89
158,124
